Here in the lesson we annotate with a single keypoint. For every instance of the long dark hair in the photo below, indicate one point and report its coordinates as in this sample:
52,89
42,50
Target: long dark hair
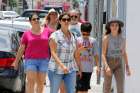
108,30
60,17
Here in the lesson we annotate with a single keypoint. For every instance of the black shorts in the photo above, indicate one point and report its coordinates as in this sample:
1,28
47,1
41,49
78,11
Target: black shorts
83,83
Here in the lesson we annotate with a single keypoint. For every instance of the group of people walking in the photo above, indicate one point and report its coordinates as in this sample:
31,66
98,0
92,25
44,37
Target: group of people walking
63,50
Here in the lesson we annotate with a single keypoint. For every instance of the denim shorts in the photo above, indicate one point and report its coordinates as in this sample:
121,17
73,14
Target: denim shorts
56,79
37,65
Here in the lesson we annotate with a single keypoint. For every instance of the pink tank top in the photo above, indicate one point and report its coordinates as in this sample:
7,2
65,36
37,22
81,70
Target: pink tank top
37,46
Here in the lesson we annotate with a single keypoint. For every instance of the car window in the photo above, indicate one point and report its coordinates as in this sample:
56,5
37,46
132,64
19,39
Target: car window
4,43
10,13
14,41
41,14
27,14
9,40
4,54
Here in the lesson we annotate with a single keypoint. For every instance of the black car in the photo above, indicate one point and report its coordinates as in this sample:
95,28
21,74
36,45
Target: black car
10,78
26,13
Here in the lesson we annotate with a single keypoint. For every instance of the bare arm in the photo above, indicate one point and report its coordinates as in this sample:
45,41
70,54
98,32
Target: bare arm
125,55
104,50
125,58
97,60
77,58
126,62
20,52
19,55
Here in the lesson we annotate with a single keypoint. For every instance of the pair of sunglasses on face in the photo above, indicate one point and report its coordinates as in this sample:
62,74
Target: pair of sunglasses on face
34,19
53,13
74,16
66,19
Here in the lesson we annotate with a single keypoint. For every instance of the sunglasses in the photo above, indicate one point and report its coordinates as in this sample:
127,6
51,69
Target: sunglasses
66,19
86,34
34,19
74,16
53,14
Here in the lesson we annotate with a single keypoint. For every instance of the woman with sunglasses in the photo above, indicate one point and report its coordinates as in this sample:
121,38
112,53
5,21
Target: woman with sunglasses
51,20
113,55
51,24
35,48
74,24
62,65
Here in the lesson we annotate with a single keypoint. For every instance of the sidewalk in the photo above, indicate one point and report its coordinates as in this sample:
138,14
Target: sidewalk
95,88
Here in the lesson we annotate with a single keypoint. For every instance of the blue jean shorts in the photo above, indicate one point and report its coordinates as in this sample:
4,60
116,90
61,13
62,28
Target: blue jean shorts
56,79
37,65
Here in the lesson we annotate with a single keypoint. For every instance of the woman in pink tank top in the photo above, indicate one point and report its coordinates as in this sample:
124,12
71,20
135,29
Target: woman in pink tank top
34,46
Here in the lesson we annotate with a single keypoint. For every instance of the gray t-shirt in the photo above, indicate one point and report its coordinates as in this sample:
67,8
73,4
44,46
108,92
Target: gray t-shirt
87,57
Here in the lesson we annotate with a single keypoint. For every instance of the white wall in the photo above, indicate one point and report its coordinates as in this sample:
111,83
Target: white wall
133,45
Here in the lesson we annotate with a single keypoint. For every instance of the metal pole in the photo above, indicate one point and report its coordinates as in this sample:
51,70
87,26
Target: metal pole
122,5
32,4
100,28
0,4
108,10
23,5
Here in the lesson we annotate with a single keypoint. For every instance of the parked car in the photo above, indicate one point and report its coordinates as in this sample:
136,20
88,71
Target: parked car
8,14
25,15
10,78
18,26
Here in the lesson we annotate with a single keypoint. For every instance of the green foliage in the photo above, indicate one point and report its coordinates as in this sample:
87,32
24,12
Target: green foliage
13,3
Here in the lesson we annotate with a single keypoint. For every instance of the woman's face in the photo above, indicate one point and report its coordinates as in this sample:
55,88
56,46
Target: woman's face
114,27
35,20
65,21
74,18
53,16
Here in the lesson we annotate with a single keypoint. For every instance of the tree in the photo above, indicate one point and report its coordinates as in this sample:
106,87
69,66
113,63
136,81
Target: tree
13,3
75,4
